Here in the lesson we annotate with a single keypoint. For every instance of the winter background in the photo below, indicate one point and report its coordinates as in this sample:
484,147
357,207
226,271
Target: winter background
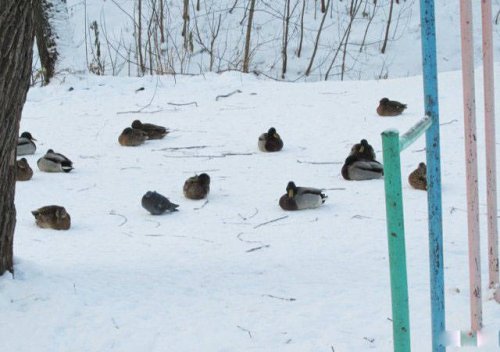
235,272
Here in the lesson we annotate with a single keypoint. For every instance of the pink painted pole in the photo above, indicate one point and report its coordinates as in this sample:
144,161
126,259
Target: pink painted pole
471,164
489,123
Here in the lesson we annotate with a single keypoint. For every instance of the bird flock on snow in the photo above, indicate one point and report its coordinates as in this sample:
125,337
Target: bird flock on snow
360,165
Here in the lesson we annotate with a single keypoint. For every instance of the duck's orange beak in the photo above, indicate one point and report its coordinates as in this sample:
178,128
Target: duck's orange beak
290,193
361,149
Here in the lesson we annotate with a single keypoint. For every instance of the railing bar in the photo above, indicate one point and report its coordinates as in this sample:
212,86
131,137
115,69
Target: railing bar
414,132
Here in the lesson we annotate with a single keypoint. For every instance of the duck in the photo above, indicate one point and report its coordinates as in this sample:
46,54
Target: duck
25,144
197,187
52,217
418,177
132,137
54,162
358,169
153,131
364,150
388,107
157,204
299,198
270,141
23,170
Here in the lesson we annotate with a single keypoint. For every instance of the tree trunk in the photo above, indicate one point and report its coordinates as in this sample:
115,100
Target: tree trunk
386,38
246,56
16,46
45,13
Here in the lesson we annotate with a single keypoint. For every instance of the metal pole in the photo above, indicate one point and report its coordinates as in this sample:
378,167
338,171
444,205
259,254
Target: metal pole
489,125
433,157
396,240
471,165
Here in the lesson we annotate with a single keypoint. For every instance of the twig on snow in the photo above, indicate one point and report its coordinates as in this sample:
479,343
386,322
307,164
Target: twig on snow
227,95
369,339
238,236
209,156
448,123
319,162
181,148
112,212
202,206
291,299
257,248
251,216
183,104
270,221
246,330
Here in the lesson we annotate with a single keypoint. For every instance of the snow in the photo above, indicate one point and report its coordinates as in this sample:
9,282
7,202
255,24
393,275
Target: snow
235,273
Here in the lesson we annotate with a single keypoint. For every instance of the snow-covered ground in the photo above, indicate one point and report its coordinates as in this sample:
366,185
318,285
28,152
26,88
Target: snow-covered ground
234,273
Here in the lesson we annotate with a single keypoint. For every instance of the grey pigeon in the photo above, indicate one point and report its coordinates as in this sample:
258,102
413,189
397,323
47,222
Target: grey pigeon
157,204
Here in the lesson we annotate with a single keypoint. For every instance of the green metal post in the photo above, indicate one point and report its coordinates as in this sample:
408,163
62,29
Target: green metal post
396,239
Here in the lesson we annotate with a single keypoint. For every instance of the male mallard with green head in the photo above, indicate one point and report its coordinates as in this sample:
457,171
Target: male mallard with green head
25,144
197,187
363,150
388,107
298,198
52,217
54,162
356,168
270,141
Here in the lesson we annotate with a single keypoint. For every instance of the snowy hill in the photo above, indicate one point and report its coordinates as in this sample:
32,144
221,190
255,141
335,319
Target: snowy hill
348,47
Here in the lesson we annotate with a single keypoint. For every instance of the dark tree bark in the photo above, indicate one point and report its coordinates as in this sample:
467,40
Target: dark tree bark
386,38
45,13
246,55
16,51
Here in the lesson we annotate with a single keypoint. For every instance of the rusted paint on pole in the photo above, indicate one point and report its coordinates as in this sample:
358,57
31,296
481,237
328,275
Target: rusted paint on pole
489,125
471,164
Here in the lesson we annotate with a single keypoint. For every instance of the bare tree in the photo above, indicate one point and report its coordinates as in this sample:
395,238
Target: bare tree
308,71
386,38
286,26
45,14
16,46
246,55
299,50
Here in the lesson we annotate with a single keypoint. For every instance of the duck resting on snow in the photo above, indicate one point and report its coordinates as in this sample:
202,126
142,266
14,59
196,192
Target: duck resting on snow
298,198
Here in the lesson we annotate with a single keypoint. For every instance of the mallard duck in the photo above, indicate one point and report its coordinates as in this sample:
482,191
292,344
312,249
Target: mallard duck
54,162
363,150
52,217
25,144
418,177
132,137
270,141
197,187
23,170
298,198
388,107
157,204
359,169
153,131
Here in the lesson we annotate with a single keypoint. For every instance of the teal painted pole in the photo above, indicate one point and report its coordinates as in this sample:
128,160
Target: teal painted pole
433,156
396,240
